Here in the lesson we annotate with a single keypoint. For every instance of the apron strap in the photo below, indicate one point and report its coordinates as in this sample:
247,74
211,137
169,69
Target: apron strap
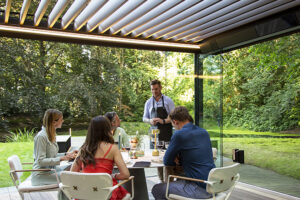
162,98
153,103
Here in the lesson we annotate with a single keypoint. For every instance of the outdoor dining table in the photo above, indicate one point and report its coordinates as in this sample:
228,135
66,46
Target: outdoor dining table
140,185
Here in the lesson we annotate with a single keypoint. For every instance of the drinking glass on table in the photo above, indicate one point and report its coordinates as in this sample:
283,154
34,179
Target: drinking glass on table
160,144
167,145
126,147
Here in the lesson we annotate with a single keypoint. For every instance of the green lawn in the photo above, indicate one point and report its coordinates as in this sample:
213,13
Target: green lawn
130,127
25,152
236,130
281,155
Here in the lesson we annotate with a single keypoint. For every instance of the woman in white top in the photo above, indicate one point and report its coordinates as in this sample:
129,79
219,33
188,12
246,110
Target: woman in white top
46,154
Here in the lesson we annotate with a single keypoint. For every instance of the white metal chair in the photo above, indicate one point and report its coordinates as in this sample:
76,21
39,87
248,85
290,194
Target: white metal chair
16,172
90,186
220,183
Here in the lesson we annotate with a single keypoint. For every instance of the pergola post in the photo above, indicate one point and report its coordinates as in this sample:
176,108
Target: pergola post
198,62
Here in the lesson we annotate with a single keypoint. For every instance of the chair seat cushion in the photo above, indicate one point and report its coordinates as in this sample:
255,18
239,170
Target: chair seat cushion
26,186
219,196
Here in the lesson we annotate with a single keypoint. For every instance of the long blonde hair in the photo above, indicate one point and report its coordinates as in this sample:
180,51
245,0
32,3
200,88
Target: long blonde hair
50,116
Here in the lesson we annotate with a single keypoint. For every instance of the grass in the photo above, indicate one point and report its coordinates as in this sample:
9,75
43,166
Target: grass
214,131
74,133
281,155
24,150
130,127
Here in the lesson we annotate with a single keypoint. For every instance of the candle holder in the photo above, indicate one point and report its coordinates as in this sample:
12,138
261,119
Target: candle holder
155,152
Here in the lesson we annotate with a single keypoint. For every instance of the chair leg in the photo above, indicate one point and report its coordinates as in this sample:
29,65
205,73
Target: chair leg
127,197
22,195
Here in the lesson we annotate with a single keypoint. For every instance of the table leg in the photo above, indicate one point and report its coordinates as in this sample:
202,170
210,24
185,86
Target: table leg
140,185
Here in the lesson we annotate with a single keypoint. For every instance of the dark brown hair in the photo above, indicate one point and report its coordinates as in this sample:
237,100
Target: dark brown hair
99,131
50,116
181,114
110,116
155,81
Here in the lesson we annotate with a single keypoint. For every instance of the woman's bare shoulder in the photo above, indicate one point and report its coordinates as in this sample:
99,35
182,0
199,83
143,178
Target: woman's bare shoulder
114,148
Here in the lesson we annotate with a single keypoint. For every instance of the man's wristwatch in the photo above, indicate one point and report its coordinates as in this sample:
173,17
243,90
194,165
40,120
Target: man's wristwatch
164,121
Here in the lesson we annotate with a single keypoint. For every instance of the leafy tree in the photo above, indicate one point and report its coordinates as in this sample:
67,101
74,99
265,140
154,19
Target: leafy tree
261,85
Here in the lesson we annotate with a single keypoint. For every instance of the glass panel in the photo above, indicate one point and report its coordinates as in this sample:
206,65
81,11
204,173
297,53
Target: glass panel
212,103
261,112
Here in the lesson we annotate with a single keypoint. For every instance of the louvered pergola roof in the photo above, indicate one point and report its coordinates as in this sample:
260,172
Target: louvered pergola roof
207,27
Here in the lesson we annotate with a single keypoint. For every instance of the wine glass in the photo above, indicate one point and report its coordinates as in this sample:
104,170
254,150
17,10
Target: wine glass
127,148
160,144
167,145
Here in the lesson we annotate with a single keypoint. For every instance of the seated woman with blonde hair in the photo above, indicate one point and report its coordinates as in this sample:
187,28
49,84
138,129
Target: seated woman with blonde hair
46,150
98,154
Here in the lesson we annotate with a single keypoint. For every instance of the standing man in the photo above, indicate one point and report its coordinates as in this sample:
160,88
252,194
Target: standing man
194,147
156,112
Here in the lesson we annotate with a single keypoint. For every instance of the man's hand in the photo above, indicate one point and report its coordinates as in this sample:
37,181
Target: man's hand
157,120
152,122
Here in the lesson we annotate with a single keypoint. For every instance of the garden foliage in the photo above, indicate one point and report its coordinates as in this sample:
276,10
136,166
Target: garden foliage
262,85
261,82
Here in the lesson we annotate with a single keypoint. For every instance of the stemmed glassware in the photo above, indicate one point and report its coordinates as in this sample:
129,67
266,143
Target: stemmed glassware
167,145
160,145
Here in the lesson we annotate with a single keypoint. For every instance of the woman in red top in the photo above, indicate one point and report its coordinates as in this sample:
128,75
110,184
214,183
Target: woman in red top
98,154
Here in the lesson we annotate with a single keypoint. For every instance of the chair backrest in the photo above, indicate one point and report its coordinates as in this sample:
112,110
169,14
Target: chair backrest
224,178
86,185
15,164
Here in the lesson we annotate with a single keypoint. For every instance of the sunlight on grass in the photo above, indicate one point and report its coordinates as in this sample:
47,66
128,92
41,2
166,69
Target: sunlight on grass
22,149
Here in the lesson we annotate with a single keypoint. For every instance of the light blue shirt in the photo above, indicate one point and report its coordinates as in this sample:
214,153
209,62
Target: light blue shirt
45,153
169,105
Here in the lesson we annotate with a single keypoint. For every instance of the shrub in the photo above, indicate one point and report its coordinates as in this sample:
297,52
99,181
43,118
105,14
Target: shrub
132,127
21,135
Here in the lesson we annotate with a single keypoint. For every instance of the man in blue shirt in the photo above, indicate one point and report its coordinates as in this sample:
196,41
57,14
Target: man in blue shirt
193,146
156,111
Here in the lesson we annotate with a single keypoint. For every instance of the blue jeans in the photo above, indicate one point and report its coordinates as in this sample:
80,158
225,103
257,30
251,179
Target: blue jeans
183,188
